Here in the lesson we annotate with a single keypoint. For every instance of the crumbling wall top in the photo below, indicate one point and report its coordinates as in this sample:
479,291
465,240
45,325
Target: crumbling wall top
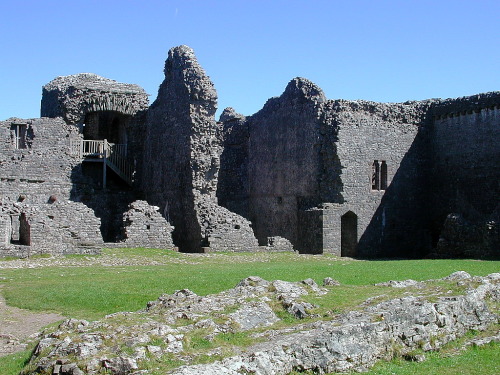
72,97
466,104
91,81
186,81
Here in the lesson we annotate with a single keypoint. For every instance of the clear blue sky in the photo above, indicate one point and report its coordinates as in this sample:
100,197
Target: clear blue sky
380,50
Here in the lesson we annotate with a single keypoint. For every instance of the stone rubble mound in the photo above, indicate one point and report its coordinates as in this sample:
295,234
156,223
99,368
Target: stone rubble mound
121,343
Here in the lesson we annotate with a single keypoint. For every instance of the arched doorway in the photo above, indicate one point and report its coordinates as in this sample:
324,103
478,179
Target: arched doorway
348,234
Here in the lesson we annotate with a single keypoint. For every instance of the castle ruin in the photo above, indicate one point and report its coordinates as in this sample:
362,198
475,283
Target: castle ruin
102,167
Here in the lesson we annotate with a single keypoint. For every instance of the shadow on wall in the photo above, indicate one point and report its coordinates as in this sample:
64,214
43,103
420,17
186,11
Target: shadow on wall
108,204
187,231
400,226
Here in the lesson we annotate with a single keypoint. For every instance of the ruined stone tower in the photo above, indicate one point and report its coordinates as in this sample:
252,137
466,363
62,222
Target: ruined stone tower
181,159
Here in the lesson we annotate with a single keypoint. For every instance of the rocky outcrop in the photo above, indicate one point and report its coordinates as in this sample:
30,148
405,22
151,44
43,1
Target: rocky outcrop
362,338
123,343
182,158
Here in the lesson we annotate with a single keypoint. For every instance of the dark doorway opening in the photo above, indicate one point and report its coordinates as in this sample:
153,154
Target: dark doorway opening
24,231
108,125
349,234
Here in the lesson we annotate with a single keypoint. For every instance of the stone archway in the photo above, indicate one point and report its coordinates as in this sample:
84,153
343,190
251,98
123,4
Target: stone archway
348,234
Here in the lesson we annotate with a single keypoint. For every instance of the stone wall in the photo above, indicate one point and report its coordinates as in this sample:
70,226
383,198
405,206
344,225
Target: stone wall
143,225
51,228
304,170
462,238
5,230
307,154
388,219
40,179
181,159
44,167
62,228
352,178
284,160
72,97
465,169
223,230
233,186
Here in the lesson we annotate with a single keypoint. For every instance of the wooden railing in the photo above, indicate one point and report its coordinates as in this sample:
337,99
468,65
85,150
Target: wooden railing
113,155
116,158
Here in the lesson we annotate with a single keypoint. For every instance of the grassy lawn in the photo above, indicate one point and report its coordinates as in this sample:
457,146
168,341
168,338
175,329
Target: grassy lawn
92,291
474,361
13,364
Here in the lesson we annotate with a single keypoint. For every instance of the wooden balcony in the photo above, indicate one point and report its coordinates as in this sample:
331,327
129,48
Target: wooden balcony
110,154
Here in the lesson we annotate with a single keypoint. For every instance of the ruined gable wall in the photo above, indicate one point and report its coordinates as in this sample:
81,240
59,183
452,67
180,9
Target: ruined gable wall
284,160
465,149
389,222
233,186
182,156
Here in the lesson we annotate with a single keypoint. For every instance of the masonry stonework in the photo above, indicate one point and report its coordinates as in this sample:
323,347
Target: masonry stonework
305,173
181,160
144,225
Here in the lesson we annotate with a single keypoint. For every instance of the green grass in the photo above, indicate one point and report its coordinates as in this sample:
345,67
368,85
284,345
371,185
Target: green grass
92,292
12,364
475,360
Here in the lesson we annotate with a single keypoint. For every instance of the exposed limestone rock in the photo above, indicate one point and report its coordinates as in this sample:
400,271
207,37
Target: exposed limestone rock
353,341
459,275
358,342
253,315
328,281
401,284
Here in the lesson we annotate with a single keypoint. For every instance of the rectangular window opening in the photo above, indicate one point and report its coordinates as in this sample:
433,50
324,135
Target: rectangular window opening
379,175
21,136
